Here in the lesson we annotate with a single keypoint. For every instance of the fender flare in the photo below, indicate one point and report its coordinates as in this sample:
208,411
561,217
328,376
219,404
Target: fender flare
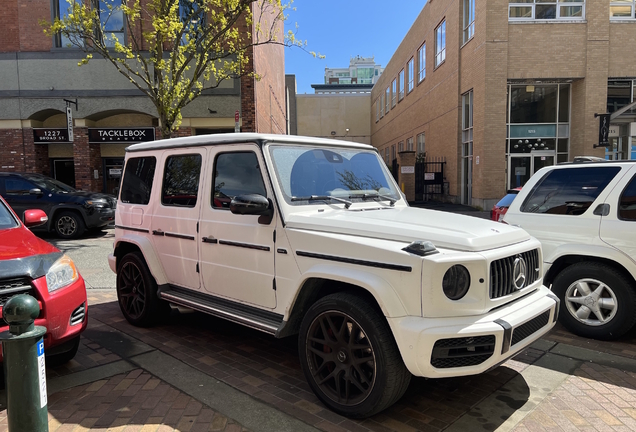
383,292
62,207
603,252
147,250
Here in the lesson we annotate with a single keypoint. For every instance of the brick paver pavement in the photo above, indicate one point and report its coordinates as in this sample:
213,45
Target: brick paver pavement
128,403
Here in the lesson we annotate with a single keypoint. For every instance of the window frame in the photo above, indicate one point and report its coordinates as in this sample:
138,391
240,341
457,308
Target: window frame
409,144
469,20
387,101
393,93
411,75
124,177
420,144
632,5
440,41
382,105
421,63
632,183
558,3
163,179
401,85
95,4
214,175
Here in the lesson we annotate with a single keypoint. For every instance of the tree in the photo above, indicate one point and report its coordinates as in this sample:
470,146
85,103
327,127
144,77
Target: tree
175,49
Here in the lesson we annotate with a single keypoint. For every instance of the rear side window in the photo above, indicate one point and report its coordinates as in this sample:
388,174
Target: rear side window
17,186
568,191
236,174
507,200
6,218
627,206
137,183
181,181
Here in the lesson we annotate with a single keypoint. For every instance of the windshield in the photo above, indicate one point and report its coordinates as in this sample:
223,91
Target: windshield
343,173
6,218
507,200
50,184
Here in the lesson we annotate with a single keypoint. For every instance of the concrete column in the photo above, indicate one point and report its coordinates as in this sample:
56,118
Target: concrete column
406,160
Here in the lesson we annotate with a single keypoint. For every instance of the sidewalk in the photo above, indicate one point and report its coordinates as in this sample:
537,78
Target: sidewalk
196,372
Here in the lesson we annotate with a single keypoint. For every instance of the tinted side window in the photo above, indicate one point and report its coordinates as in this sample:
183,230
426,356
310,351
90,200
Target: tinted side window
137,183
627,205
181,181
236,174
17,186
568,191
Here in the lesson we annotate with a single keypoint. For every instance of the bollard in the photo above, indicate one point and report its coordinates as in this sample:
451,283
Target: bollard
24,370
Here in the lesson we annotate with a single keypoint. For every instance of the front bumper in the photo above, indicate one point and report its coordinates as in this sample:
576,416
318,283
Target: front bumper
64,312
447,347
100,217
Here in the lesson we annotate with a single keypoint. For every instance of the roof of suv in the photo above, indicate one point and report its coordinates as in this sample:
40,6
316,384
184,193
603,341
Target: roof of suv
236,138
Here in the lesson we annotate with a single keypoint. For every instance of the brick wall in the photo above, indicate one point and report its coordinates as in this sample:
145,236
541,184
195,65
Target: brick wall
30,13
9,36
36,156
12,150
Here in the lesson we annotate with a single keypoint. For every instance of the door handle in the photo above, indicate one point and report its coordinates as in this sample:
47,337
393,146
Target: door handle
209,240
158,232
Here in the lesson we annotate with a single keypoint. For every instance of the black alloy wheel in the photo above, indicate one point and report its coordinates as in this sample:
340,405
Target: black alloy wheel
137,292
341,358
69,225
349,356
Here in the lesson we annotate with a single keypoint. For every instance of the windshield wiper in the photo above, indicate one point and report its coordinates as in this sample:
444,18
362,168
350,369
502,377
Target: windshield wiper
347,203
366,196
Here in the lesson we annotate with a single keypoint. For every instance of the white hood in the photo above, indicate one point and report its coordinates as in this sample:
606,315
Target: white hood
444,230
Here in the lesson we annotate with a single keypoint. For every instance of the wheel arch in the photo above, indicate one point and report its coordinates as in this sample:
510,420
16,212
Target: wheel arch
320,284
58,209
565,261
135,243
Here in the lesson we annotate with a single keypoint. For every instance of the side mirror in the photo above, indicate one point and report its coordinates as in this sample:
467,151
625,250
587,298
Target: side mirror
253,204
34,217
35,191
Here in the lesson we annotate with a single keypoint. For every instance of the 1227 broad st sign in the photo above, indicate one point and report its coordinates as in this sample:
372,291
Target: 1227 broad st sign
121,135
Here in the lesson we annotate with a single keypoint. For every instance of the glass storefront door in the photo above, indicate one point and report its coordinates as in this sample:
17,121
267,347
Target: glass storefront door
112,174
522,167
64,171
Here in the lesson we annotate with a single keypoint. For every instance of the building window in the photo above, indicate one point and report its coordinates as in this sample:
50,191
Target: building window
421,55
400,146
420,145
547,10
393,93
620,10
192,16
62,8
377,110
411,72
111,18
381,105
469,19
467,117
401,79
409,144
393,156
440,44
386,155
387,100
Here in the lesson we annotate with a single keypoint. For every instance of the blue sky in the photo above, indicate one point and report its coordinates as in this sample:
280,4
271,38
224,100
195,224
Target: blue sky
341,29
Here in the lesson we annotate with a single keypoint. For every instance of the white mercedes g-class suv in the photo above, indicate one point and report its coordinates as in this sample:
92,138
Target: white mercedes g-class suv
293,235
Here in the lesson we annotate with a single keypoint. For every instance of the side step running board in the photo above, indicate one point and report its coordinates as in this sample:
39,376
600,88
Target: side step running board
248,316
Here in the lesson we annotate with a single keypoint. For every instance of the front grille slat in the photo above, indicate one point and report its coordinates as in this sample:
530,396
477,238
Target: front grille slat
527,329
462,351
9,288
77,317
502,273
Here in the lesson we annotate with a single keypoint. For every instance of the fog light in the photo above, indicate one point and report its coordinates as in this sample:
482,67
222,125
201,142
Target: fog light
456,282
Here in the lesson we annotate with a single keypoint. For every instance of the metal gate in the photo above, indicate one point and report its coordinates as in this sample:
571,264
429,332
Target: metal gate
429,178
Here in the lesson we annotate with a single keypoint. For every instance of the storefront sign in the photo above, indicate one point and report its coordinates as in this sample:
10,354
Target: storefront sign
69,122
429,176
114,172
407,169
603,130
614,131
533,131
50,135
119,135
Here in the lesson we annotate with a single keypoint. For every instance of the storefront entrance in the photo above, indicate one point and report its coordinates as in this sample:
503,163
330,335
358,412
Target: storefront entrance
112,168
522,167
64,171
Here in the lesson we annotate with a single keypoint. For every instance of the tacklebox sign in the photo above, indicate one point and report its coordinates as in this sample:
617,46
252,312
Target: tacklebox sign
119,135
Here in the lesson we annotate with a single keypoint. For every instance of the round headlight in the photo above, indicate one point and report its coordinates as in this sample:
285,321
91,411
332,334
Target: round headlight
456,282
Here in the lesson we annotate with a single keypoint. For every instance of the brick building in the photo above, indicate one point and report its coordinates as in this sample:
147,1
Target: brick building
501,88
37,74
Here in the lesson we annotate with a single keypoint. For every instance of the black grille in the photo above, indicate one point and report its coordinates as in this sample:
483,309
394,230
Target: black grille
461,352
9,288
527,329
77,317
502,273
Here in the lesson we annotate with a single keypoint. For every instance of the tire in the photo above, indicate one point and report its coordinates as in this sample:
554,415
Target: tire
597,300
137,292
65,357
356,381
69,225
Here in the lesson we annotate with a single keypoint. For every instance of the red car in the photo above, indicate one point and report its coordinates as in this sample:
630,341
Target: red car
29,265
499,210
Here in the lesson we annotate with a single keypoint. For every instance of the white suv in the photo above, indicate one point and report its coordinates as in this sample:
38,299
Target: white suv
292,235
584,214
